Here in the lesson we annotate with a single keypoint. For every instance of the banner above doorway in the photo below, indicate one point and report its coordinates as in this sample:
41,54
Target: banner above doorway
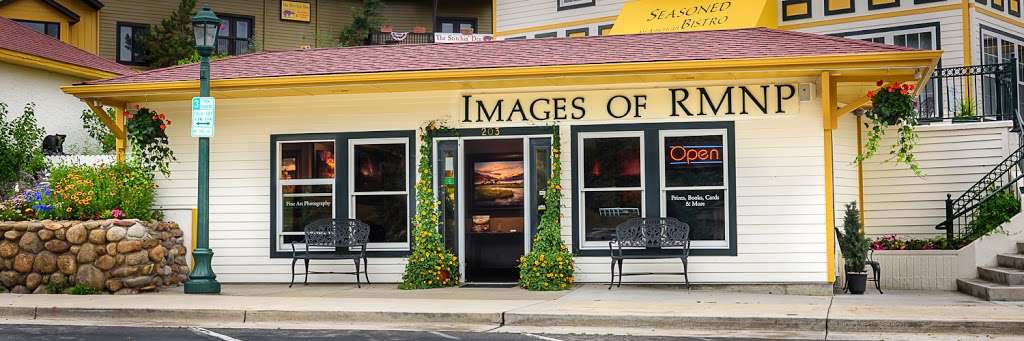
655,16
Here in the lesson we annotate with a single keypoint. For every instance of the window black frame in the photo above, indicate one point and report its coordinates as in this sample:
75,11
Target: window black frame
602,28
785,6
652,182
134,26
1009,9
46,26
546,35
873,6
558,4
474,20
585,30
1000,7
231,19
853,8
341,172
918,2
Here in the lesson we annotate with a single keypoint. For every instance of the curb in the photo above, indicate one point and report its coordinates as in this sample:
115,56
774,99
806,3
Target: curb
526,320
667,322
973,327
263,316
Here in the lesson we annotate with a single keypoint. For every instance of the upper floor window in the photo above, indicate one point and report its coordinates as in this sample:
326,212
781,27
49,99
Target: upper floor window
455,25
129,43
235,34
48,28
571,4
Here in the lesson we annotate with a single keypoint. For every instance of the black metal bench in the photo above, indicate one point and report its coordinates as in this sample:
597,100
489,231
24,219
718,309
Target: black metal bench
668,234
341,236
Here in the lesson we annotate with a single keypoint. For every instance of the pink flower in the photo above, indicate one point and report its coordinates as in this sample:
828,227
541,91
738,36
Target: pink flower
117,213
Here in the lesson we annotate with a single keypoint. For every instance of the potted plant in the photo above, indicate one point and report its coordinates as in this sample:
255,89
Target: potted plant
855,250
965,111
892,106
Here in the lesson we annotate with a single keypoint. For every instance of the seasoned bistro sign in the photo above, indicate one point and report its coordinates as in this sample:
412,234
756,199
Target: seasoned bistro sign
683,102
652,16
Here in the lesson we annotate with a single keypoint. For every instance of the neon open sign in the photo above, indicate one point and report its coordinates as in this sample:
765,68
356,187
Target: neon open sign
689,155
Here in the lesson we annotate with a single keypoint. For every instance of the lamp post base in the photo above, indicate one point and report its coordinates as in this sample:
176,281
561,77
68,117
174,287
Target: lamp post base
202,280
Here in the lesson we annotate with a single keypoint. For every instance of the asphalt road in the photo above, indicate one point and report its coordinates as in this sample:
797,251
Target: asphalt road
110,333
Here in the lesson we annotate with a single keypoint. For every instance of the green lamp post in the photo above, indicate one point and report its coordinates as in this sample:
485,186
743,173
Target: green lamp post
205,25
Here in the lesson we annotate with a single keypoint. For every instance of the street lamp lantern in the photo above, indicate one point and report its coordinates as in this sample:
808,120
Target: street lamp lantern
206,26
203,280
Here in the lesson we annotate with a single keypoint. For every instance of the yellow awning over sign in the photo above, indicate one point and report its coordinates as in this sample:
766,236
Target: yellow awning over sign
653,16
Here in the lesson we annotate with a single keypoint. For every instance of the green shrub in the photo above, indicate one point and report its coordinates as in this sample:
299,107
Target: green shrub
549,265
98,131
57,287
120,190
991,216
853,244
21,153
83,289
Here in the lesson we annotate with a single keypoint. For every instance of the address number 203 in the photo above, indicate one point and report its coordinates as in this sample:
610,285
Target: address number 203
490,131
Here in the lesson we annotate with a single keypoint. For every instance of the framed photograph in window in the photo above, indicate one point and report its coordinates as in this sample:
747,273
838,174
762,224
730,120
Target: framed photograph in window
573,4
498,184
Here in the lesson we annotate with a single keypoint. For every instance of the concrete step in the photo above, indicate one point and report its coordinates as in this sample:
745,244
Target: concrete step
1001,275
990,291
1015,261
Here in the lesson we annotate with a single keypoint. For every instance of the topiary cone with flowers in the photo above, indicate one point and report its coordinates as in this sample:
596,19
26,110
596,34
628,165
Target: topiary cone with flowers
430,265
549,265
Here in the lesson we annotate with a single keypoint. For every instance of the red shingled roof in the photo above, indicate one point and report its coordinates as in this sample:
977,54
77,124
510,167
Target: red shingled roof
682,46
18,38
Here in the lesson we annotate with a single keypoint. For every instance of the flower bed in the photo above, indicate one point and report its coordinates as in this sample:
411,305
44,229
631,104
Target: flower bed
113,256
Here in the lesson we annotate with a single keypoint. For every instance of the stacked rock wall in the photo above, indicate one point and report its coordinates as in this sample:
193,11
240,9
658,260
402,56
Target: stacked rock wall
114,256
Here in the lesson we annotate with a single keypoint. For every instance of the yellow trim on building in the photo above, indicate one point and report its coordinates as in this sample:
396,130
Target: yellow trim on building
556,26
894,14
996,15
32,61
828,105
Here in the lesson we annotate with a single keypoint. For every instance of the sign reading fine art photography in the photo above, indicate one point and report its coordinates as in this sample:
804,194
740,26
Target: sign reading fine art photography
692,102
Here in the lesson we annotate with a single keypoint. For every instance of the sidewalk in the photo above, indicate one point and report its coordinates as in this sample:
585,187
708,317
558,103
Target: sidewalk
586,309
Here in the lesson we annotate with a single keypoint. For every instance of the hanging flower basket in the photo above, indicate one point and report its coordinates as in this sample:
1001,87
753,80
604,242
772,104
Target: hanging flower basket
893,106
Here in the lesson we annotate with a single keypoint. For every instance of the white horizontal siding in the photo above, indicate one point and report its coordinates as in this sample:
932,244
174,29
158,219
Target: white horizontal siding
953,157
779,168
519,14
950,29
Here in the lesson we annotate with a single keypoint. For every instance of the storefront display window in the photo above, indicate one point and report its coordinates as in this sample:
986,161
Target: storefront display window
379,195
612,183
693,167
306,186
683,171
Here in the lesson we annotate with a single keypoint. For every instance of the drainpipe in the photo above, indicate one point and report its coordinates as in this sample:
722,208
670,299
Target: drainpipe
433,19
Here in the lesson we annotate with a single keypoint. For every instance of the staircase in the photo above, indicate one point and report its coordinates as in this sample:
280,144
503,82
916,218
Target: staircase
1003,282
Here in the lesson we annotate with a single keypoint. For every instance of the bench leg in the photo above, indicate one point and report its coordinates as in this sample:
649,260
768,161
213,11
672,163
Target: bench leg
366,270
686,274
294,260
878,278
356,261
620,273
305,279
611,282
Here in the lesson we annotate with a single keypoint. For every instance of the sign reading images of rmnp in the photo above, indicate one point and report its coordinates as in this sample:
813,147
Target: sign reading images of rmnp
203,116
654,16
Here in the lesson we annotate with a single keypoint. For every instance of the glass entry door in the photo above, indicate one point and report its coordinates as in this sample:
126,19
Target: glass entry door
491,192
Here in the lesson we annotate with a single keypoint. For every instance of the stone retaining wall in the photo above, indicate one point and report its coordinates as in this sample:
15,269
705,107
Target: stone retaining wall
115,256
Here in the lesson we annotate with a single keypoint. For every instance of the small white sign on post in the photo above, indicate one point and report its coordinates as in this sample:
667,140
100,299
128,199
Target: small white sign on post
202,116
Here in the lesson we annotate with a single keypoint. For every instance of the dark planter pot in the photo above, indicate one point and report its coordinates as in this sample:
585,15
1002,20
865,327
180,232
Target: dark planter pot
856,282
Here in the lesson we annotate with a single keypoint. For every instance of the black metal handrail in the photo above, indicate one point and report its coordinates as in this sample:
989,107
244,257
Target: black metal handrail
971,93
398,38
1002,99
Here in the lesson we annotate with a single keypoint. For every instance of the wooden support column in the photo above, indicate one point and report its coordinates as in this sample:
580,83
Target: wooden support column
828,109
114,124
